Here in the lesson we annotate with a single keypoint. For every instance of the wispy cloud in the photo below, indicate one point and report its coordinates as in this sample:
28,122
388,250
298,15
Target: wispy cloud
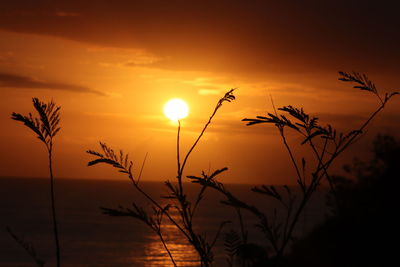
8,80
123,57
209,92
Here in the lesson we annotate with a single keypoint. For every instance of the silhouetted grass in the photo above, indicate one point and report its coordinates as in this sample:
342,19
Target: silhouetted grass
46,127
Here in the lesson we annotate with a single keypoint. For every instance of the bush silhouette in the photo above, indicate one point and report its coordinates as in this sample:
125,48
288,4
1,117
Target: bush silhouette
361,230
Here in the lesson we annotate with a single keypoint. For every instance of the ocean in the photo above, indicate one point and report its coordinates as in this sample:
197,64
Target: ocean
89,238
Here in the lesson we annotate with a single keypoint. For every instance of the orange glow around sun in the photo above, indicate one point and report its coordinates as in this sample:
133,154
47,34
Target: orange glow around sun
176,109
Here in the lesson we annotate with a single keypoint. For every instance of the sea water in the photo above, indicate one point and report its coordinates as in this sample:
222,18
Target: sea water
89,238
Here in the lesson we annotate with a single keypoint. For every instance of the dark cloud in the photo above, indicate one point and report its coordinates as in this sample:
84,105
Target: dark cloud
232,36
16,81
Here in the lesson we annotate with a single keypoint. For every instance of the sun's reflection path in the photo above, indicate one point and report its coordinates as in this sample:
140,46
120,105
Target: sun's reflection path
181,250
155,255
183,254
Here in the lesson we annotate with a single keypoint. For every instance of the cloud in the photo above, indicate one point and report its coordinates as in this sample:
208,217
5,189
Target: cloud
209,92
8,80
131,57
142,60
230,36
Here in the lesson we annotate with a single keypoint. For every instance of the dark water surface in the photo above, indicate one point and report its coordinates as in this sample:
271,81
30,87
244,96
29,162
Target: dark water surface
89,238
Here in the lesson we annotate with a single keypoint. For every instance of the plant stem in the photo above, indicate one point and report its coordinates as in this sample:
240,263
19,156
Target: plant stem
178,158
324,168
197,140
166,248
290,153
53,208
185,213
289,233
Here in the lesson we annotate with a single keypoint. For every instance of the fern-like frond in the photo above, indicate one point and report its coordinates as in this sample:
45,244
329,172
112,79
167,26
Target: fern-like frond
46,125
108,156
362,81
228,97
135,212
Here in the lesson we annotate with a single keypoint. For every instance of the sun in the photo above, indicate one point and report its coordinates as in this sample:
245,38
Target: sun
176,109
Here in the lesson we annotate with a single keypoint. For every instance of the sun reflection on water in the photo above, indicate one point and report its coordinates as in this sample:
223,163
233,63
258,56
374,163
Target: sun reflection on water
183,253
155,254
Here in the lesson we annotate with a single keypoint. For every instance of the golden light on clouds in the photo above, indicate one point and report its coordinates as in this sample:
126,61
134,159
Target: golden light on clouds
176,109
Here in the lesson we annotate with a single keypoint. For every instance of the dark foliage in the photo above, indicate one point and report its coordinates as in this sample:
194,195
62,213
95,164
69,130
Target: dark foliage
361,231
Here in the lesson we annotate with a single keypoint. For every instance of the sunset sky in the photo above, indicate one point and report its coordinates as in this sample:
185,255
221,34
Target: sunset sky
112,65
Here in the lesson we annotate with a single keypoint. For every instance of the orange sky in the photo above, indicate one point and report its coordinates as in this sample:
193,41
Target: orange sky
112,65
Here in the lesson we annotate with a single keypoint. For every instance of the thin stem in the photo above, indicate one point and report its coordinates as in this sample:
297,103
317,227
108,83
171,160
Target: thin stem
321,164
141,168
198,139
178,157
165,245
199,198
184,212
167,249
185,217
50,150
360,130
290,153
288,235
349,142
306,197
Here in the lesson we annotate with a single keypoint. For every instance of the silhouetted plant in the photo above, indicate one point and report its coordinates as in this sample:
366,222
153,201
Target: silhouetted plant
176,195
359,231
29,248
325,150
46,127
